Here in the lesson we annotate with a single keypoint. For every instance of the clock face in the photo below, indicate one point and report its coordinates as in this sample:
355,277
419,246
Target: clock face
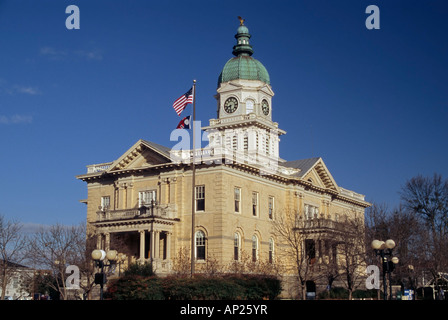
265,107
231,105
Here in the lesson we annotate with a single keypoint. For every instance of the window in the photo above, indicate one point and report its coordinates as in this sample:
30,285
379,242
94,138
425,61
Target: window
146,198
228,141
268,143
237,199
255,204
246,142
330,248
271,250
271,207
200,245
249,106
105,203
254,248
235,142
200,198
236,246
310,250
311,212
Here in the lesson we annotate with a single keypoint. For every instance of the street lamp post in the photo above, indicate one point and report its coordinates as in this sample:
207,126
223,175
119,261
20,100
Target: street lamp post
384,250
99,256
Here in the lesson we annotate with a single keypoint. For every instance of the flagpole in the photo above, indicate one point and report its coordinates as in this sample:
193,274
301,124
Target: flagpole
193,182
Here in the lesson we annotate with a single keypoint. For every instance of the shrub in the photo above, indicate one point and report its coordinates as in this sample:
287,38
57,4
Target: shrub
144,270
365,294
137,287
334,293
215,288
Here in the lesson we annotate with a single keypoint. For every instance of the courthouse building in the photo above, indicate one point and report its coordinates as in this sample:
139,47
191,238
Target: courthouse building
142,203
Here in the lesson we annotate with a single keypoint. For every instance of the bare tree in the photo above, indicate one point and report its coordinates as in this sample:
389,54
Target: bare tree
85,245
181,262
247,265
289,228
410,236
57,247
427,198
12,244
351,251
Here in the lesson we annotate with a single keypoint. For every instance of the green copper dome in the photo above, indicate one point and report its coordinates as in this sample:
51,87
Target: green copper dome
243,66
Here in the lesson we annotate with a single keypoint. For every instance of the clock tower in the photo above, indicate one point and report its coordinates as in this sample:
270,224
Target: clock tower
244,123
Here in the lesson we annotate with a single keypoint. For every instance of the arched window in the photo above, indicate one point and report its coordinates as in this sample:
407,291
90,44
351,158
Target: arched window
254,248
271,250
249,106
236,246
271,207
200,245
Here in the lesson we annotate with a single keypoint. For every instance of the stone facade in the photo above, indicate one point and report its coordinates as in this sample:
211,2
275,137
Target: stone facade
141,204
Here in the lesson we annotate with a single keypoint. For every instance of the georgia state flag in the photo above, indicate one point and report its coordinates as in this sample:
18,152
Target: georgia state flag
184,123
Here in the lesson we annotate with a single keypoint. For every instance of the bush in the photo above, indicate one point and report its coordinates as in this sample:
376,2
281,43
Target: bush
258,287
334,293
138,269
247,287
342,293
365,294
135,287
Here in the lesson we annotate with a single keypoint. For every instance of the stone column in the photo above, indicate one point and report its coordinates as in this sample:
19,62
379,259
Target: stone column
107,241
123,195
168,245
142,245
129,195
156,244
151,245
99,241
301,207
173,184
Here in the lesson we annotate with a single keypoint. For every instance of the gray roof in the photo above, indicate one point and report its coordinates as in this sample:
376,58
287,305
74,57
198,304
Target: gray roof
12,264
304,165
162,149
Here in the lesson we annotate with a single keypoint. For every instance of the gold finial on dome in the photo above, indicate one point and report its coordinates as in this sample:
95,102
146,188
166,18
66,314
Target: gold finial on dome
241,21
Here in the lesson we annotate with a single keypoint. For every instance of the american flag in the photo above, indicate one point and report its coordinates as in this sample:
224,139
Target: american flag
180,103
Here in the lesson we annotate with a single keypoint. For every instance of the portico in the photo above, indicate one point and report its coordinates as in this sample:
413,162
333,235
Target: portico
143,237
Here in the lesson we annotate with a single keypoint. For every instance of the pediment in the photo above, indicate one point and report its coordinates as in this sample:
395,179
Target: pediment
267,89
229,86
320,176
315,172
142,154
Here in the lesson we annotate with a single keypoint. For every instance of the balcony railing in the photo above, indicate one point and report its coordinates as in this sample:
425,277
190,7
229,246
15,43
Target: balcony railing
94,168
319,225
166,211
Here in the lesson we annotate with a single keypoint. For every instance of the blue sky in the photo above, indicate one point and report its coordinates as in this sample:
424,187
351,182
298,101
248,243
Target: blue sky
372,103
